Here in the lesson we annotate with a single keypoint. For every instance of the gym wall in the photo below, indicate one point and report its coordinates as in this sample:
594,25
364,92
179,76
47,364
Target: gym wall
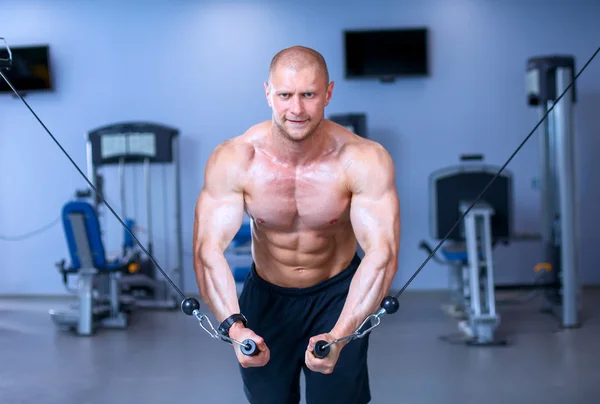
200,66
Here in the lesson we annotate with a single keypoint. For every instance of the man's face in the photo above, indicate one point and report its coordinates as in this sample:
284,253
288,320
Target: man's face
298,99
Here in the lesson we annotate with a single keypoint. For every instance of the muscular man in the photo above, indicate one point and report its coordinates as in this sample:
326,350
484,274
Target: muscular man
312,190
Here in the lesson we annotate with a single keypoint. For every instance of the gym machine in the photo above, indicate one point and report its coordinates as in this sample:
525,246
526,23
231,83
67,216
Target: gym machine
546,79
129,147
468,249
91,267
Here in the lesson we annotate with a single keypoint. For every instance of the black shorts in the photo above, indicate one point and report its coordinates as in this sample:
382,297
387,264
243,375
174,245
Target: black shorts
286,318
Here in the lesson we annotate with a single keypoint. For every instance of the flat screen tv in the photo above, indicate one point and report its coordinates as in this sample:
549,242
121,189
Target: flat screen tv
386,54
30,69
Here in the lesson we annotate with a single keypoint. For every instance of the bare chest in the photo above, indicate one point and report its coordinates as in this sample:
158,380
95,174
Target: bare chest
292,199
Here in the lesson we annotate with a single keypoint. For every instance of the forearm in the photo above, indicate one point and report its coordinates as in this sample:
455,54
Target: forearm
369,286
216,283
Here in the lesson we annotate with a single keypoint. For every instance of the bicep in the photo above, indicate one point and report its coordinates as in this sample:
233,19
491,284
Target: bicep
219,209
376,221
217,219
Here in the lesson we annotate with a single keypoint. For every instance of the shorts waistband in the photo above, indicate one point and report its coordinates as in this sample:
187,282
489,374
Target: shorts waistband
344,275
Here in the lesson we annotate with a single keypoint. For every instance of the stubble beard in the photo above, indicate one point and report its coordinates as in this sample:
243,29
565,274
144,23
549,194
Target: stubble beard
307,136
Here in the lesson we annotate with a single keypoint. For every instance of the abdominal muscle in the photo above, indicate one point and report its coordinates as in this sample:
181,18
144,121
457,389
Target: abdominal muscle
302,258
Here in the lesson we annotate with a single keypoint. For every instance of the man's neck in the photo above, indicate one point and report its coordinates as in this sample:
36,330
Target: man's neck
296,154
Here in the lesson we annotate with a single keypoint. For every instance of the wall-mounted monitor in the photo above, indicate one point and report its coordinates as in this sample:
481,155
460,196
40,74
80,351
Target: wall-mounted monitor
30,69
386,54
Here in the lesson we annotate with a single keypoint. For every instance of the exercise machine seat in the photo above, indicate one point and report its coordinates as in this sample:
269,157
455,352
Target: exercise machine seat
99,300
457,253
86,211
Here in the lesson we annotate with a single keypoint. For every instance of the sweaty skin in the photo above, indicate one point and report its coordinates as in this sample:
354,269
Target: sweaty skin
312,190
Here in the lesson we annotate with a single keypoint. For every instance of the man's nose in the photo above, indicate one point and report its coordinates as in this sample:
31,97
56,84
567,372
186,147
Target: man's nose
297,107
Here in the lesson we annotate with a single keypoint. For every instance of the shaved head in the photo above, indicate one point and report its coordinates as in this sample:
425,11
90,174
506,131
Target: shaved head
298,90
298,58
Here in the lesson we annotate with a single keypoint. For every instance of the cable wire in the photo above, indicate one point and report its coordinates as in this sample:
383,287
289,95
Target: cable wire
94,188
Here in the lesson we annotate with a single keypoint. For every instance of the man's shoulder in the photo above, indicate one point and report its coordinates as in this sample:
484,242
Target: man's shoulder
362,151
233,152
365,161
238,151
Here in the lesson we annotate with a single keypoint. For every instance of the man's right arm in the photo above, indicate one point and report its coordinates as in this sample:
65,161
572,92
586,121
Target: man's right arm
218,217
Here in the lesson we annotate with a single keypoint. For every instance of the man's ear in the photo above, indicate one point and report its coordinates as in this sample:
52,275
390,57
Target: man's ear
329,93
268,93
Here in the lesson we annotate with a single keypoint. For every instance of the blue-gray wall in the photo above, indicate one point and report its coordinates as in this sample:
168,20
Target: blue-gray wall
200,66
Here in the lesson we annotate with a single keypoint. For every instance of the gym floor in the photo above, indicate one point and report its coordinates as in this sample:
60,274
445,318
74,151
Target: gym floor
166,356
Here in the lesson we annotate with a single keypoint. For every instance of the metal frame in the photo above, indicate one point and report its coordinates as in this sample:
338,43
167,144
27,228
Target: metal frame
565,175
547,78
168,298
482,319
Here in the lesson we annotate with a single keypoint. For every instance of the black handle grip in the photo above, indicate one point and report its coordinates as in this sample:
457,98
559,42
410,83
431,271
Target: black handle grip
189,305
249,348
321,350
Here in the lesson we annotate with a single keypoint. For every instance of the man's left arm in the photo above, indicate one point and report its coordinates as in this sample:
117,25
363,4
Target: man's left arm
375,217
